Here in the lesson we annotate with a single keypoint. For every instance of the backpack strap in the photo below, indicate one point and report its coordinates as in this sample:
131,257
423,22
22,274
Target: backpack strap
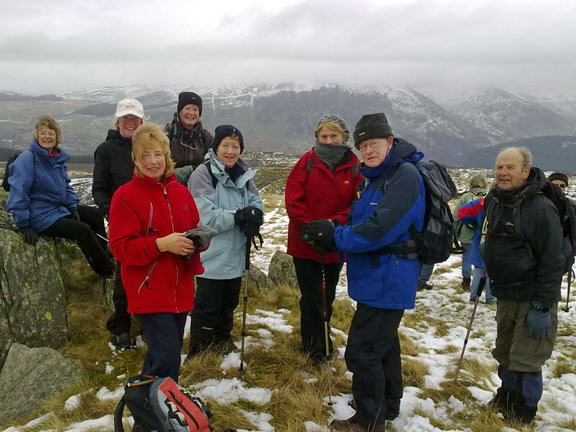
118,412
214,179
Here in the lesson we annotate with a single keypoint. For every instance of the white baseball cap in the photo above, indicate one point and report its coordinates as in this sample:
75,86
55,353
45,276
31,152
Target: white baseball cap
129,107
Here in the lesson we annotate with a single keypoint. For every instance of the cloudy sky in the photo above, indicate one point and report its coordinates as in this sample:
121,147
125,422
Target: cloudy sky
435,46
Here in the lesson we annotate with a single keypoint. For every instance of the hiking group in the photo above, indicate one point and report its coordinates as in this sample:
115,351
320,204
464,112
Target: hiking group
182,206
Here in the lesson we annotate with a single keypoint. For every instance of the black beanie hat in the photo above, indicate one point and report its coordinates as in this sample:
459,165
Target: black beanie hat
224,131
371,126
558,176
186,98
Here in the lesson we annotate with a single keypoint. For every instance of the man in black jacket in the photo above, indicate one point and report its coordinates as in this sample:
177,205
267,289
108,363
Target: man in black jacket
523,255
113,167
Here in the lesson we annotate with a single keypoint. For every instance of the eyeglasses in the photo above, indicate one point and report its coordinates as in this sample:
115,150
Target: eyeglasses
561,186
370,145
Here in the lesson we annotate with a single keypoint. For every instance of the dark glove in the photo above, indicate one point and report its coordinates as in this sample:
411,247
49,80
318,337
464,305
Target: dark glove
250,229
320,233
538,322
250,215
74,213
29,235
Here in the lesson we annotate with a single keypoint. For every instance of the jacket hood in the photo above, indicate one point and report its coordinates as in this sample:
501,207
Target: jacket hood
37,149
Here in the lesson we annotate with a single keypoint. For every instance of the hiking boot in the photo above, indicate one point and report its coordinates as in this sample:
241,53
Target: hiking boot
490,302
520,413
228,345
466,284
351,425
123,341
424,285
501,400
389,414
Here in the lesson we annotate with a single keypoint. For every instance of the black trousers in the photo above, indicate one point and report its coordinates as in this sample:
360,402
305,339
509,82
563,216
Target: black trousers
163,333
84,233
119,322
309,275
373,356
212,318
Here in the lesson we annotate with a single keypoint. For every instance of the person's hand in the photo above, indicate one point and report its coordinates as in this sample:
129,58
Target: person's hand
74,213
252,215
320,233
29,235
176,243
250,229
538,323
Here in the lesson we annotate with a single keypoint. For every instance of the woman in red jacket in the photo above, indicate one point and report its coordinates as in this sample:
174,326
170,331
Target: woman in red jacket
322,185
149,217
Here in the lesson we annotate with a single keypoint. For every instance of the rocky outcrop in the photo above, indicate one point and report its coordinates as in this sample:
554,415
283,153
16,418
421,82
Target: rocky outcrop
32,297
281,270
39,372
258,281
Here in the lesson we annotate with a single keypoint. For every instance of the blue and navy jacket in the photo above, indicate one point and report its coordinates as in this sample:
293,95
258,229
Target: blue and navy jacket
473,213
392,202
40,190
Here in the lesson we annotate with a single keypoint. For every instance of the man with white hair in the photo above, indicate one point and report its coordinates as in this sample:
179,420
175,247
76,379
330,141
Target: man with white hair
523,256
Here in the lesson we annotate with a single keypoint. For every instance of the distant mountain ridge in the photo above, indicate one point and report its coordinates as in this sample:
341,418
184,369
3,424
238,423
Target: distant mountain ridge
283,117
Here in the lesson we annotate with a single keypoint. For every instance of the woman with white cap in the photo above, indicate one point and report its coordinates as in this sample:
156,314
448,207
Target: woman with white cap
113,167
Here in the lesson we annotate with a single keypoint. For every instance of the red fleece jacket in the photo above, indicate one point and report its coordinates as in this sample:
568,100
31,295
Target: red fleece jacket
143,210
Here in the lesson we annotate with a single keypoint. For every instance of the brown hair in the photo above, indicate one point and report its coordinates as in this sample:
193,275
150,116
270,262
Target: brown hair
147,136
49,122
478,180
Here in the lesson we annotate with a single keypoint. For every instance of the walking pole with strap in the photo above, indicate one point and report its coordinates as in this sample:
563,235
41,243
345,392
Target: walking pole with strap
570,278
246,269
325,310
478,294
249,242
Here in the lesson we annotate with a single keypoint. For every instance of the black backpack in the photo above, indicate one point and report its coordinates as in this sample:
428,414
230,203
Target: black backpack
5,184
434,244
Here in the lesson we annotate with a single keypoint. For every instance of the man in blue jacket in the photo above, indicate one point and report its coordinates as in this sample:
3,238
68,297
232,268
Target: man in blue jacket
383,284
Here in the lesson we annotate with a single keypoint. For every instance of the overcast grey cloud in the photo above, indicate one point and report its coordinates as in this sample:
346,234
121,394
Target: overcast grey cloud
436,46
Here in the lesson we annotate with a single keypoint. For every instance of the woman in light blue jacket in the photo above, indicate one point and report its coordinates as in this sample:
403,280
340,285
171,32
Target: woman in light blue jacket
227,201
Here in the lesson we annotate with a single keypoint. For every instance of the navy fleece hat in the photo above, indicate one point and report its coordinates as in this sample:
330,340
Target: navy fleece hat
558,176
371,126
224,131
186,98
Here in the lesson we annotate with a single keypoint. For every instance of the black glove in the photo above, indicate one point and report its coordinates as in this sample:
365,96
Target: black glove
250,229
251,215
538,322
320,233
29,235
74,213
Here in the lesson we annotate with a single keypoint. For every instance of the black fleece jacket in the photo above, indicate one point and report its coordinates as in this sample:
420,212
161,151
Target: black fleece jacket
523,248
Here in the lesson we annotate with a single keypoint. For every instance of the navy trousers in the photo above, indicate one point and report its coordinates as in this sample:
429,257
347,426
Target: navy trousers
373,356
163,333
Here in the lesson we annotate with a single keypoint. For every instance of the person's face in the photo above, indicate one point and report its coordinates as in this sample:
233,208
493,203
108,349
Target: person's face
329,136
560,184
375,150
47,138
128,124
152,162
189,115
228,151
509,172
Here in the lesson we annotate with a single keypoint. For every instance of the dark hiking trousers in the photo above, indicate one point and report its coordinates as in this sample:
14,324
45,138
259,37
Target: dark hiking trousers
373,356
163,333
119,321
84,233
309,275
212,318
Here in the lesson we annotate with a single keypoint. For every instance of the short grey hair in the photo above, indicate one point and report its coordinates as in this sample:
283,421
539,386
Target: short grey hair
524,152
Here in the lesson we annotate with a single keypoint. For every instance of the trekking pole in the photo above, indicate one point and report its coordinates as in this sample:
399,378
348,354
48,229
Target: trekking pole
325,310
246,269
478,294
570,276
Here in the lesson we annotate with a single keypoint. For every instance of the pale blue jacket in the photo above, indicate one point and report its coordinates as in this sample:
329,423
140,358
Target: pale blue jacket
225,258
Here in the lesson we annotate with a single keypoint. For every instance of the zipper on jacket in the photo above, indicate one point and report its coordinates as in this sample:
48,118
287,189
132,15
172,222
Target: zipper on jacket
145,281
149,227
173,230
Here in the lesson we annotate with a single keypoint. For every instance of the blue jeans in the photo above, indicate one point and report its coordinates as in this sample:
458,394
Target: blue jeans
476,283
426,271
466,264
